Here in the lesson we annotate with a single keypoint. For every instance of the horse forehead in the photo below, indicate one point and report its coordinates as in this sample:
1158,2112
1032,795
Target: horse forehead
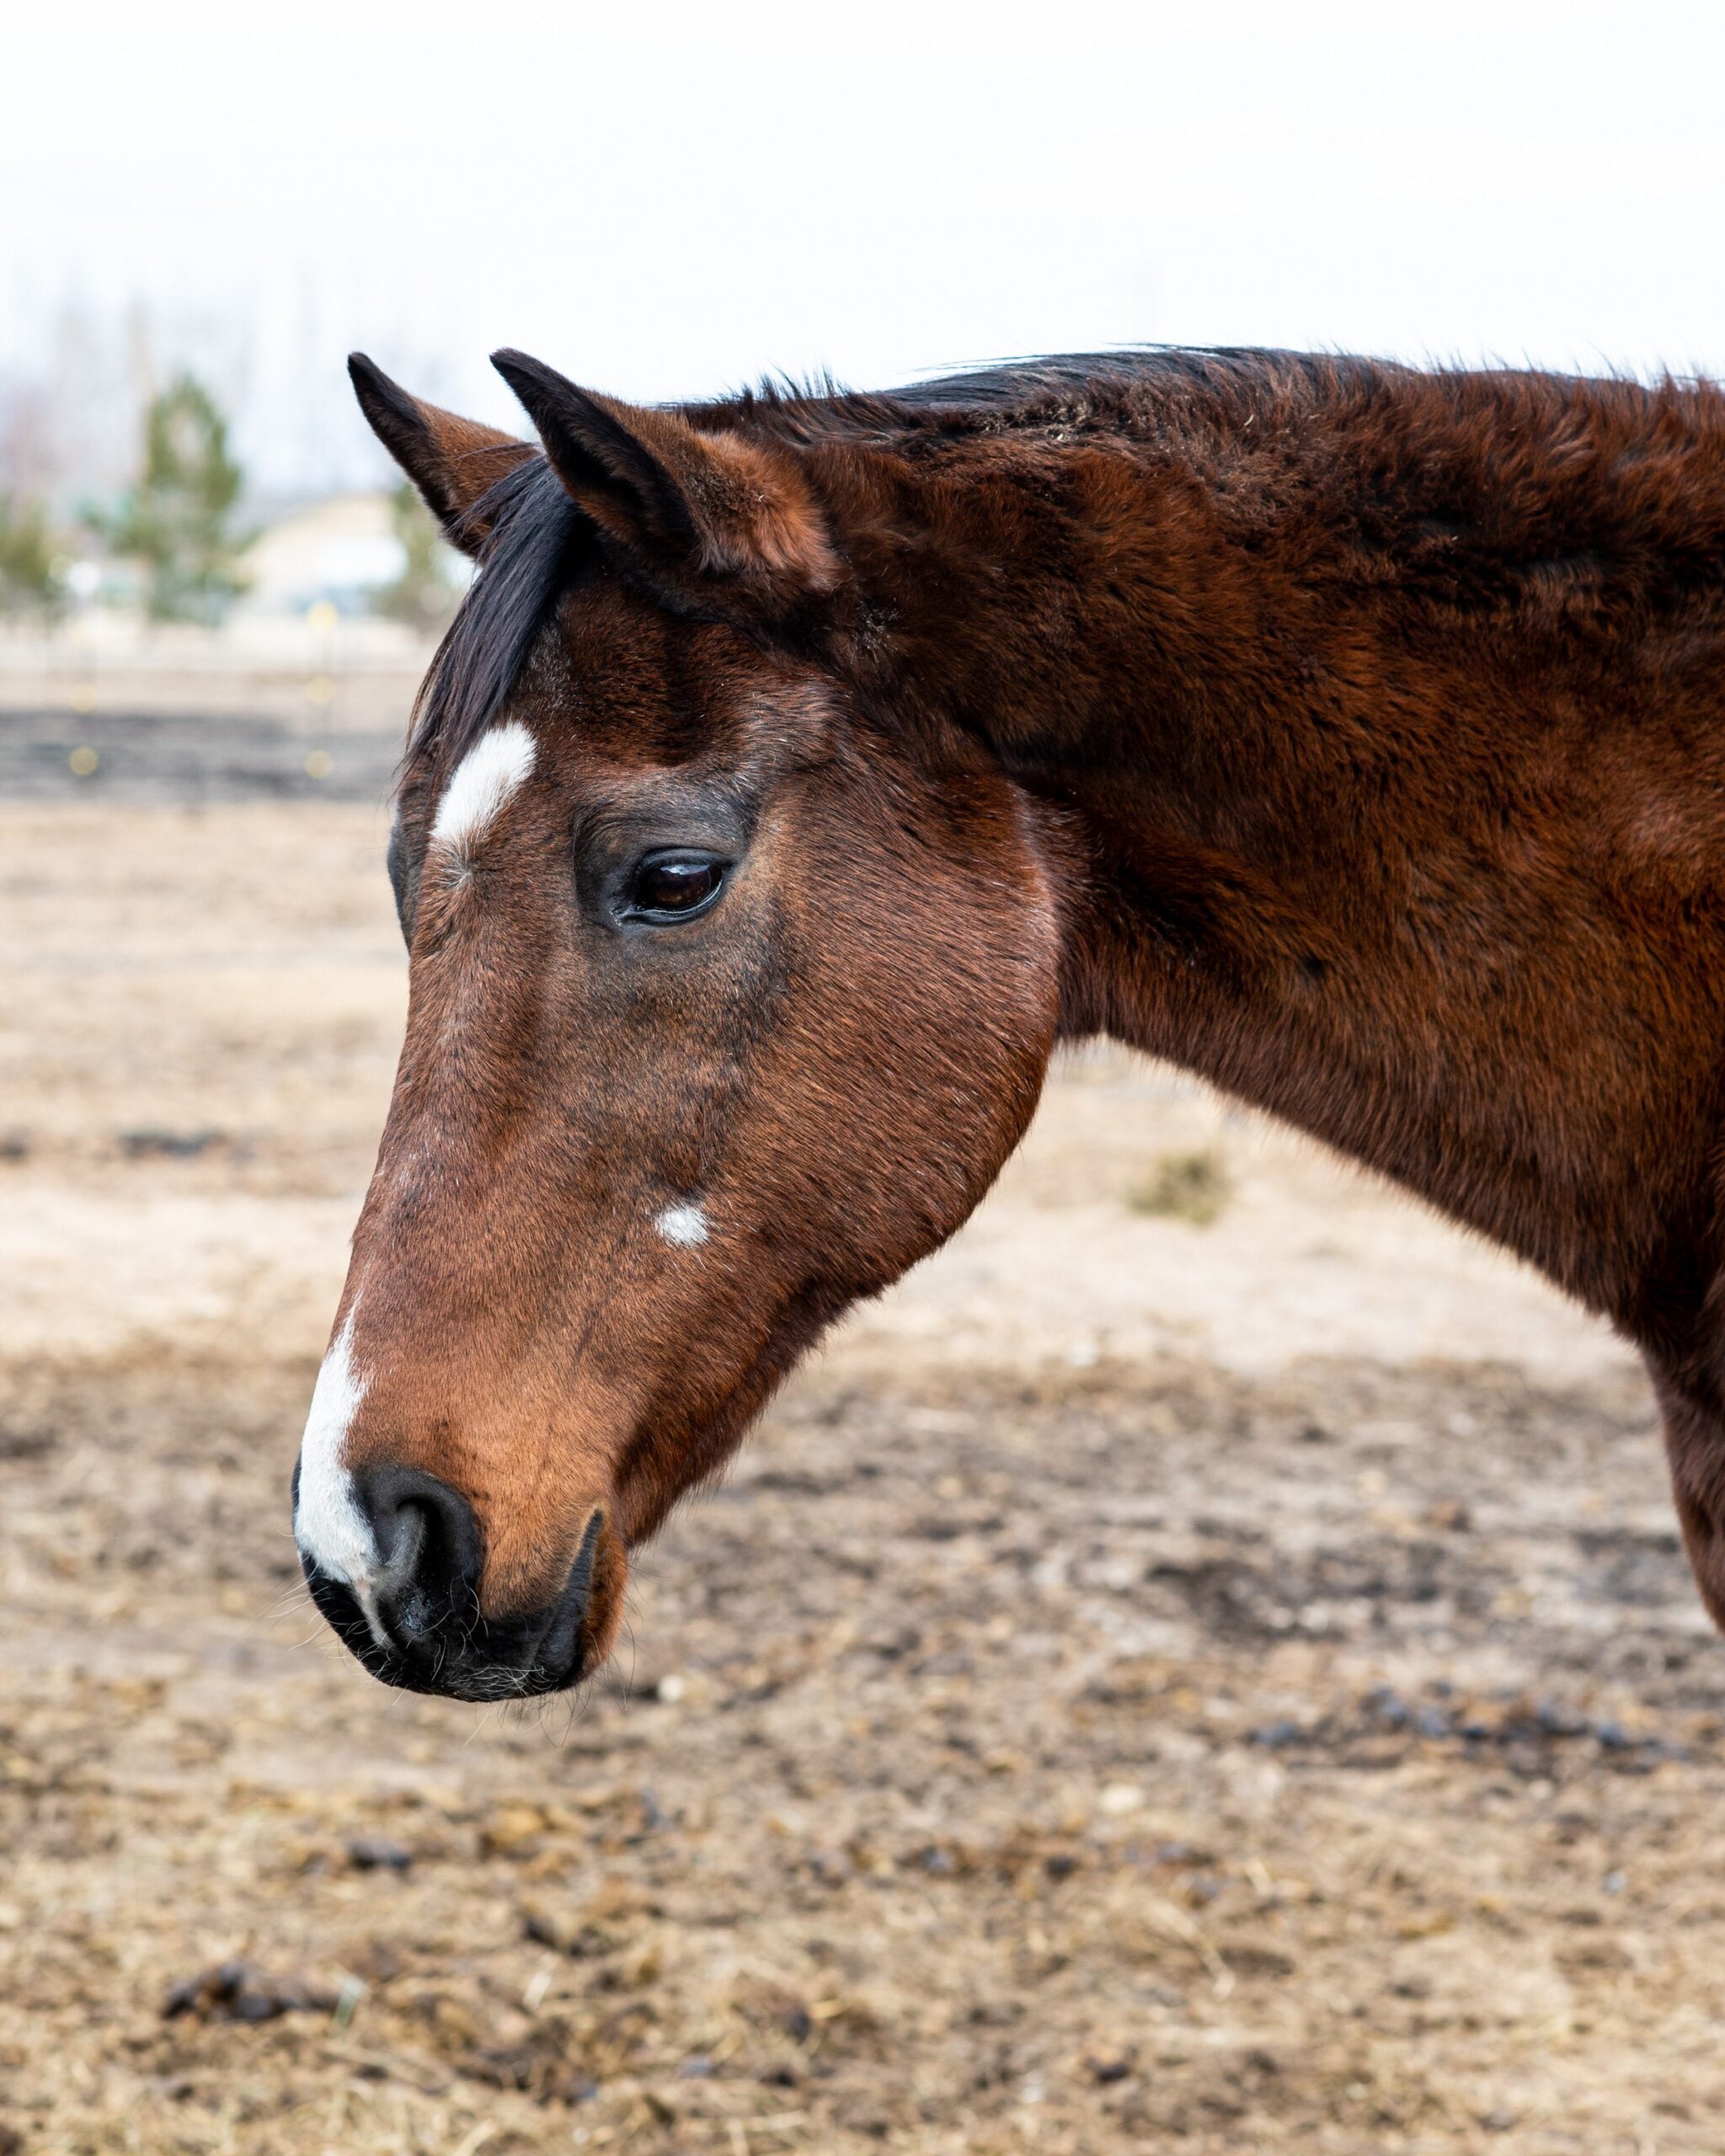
609,747
642,686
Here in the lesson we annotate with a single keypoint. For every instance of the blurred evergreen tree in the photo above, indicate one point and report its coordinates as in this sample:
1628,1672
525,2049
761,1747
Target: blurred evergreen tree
178,520
29,582
422,595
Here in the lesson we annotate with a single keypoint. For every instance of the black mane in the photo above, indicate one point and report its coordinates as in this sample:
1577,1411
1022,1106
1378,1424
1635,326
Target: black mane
538,541
1072,389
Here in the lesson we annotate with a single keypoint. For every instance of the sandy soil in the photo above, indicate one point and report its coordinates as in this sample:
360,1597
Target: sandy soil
1230,1687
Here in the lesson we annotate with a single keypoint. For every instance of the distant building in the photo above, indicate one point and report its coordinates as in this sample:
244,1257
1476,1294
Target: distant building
339,552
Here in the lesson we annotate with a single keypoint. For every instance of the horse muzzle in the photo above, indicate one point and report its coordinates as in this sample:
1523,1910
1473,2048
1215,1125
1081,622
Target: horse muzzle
413,1619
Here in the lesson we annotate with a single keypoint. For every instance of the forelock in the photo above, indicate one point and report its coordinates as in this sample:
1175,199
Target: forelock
538,541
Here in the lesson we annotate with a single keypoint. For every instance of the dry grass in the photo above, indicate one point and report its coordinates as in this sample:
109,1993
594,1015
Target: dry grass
994,1775
1193,1187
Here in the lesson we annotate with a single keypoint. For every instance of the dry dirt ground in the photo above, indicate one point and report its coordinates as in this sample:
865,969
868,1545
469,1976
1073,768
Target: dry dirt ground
1220,1683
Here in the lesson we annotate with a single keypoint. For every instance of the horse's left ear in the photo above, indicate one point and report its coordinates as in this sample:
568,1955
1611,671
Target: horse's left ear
453,461
704,516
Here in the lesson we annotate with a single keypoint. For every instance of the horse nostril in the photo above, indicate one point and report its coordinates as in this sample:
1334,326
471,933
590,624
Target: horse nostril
560,1643
412,1613
428,1543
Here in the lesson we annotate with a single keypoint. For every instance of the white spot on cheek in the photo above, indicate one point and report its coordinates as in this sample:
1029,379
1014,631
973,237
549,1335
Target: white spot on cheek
684,1226
484,779
328,1523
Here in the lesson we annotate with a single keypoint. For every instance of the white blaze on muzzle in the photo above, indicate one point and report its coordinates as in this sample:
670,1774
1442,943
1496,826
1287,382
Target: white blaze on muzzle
331,1530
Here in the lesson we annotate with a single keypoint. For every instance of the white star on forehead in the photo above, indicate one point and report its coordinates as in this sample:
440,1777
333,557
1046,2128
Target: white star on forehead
484,779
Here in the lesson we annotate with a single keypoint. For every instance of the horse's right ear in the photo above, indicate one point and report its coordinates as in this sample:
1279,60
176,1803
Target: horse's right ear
451,461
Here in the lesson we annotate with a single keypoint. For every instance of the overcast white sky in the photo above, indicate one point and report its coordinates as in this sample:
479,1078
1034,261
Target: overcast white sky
670,199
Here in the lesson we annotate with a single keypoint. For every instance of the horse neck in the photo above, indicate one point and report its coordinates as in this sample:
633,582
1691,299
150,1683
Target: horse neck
1327,817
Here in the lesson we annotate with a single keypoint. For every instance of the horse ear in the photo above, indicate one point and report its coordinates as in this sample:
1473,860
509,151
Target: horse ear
451,461
705,516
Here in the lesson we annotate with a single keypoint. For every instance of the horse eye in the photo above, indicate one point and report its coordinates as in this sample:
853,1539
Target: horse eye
672,886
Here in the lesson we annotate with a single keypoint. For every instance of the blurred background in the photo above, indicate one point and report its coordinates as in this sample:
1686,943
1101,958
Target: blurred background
679,200
1206,1663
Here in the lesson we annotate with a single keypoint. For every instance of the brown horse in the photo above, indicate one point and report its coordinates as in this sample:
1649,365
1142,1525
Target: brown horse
799,770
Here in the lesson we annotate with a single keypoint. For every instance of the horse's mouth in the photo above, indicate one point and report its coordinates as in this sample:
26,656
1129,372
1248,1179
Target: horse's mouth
457,1653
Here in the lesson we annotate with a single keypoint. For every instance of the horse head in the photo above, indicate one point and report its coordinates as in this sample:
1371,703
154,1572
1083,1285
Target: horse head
733,980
